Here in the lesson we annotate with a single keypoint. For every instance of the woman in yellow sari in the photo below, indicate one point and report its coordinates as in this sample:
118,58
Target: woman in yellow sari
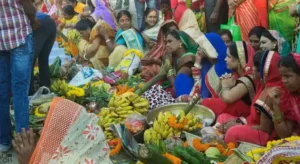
92,46
69,135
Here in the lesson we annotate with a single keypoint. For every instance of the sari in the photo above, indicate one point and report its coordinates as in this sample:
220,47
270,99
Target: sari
246,16
128,39
79,8
102,12
187,21
70,135
270,78
280,19
100,59
152,62
284,47
240,107
183,83
210,82
152,32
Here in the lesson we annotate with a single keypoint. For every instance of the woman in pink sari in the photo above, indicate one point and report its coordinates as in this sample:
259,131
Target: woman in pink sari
238,90
70,135
260,127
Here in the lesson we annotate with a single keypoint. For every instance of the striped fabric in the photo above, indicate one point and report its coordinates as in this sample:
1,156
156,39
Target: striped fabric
14,24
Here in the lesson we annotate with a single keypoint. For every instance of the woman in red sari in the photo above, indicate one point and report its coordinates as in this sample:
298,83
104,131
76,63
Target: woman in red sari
152,62
261,125
236,95
248,14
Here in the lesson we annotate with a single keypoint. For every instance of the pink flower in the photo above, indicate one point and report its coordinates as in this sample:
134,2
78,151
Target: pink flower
91,132
60,152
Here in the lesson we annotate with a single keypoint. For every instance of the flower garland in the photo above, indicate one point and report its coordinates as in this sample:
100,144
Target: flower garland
116,145
172,158
172,121
135,51
75,92
38,114
256,153
203,147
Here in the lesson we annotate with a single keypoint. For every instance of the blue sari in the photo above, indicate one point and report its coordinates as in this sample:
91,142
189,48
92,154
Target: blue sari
210,73
130,38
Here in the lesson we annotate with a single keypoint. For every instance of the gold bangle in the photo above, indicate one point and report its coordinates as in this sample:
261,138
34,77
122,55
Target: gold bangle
108,40
277,119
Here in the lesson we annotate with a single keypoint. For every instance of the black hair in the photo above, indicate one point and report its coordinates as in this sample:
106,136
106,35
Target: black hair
268,35
175,34
257,31
148,11
289,62
233,49
84,24
165,28
73,1
123,12
165,2
91,5
69,10
257,59
225,32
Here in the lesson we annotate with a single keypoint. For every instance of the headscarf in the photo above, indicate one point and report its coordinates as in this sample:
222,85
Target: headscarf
245,54
218,50
70,135
270,78
188,42
151,63
284,47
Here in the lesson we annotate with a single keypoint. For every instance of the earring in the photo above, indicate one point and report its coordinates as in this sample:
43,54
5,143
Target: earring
180,46
274,46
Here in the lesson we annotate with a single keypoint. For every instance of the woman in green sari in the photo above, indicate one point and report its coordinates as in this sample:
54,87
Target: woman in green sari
280,19
181,50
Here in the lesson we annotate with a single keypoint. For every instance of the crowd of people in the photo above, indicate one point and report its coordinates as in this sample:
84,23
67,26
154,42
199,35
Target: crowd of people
251,84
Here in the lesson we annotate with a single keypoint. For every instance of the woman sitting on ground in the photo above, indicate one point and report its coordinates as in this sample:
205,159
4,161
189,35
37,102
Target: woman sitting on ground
127,37
238,89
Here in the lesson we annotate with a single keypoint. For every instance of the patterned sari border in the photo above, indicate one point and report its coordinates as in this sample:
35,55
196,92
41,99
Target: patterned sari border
267,65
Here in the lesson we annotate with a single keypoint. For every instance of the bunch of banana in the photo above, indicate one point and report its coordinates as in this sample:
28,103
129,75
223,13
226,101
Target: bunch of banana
129,103
164,128
60,87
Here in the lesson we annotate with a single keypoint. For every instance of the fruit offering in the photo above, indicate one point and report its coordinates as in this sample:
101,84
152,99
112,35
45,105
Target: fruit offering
119,107
60,87
167,125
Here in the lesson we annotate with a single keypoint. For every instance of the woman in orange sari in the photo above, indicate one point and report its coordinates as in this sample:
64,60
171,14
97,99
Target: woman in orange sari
236,95
69,135
248,14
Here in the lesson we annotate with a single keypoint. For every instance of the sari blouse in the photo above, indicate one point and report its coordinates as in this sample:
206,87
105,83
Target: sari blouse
120,40
270,78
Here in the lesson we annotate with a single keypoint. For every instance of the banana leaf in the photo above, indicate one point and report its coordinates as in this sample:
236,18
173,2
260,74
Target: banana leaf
54,68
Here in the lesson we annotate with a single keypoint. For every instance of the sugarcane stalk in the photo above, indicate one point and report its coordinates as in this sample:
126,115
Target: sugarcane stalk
194,101
162,74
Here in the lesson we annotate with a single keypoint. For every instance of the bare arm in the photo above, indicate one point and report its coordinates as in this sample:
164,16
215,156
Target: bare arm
285,127
234,94
86,12
218,6
92,50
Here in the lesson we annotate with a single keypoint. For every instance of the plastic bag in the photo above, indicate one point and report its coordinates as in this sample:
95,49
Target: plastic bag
131,62
39,98
84,76
233,28
135,123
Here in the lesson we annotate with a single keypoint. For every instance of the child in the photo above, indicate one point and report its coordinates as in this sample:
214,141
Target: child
69,19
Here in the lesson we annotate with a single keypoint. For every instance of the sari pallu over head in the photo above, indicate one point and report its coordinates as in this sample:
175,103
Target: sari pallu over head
270,78
183,83
70,135
151,63
245,55
214,47
152,32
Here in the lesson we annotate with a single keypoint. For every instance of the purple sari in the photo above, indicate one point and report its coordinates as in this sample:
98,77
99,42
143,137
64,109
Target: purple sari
101,12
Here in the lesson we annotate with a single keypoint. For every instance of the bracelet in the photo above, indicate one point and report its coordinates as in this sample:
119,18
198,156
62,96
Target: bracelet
170,73
277,119
108,40
198,65
84,57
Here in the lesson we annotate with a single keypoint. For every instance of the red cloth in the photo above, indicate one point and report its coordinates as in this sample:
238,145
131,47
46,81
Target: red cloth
218,106
262,8
168,16
179,11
